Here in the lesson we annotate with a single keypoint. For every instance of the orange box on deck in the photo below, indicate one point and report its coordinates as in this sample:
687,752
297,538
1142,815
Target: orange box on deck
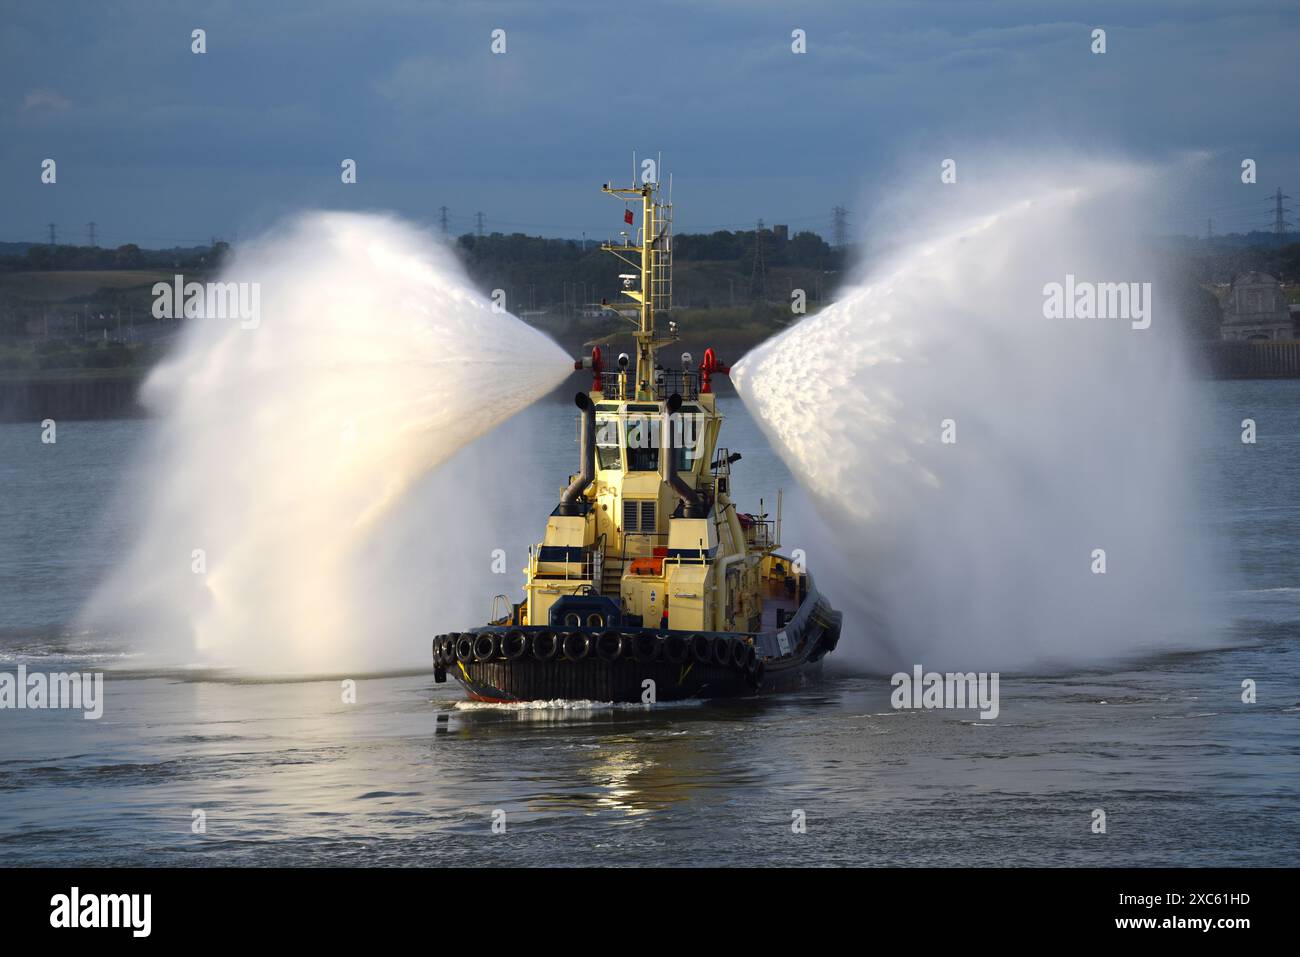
647,566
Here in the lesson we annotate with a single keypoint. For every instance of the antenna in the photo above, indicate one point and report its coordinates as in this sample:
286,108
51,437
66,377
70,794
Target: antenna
648,257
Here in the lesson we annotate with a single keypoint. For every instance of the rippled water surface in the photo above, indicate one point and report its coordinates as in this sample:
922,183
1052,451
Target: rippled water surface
286,773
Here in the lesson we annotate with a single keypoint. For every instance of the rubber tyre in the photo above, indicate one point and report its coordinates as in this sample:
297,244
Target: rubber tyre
545,645
464,648
514,645
485,646
609,646
576,645
722,651
646,647
676,649
740,650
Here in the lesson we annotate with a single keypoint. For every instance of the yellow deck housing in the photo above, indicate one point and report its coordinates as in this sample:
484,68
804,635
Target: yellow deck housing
690,573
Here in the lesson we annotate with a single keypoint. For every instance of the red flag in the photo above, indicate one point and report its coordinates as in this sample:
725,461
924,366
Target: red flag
627,216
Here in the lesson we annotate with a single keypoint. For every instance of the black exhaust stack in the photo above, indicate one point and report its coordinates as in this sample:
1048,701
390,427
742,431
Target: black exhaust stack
693,501
587,468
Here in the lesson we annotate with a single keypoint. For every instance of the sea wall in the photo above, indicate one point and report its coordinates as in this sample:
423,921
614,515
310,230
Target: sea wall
33,400
116,397
1253,360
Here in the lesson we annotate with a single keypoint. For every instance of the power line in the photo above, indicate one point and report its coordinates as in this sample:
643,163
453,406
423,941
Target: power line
448,221
588,227
781,219
52,242
758,275
90,227
1226,207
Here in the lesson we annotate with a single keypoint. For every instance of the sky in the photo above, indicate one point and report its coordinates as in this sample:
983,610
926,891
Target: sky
161,146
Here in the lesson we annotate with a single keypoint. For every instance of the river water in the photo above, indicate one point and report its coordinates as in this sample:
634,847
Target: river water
285,772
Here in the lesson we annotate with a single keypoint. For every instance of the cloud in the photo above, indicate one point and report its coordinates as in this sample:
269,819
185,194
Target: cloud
46,100
462,85
288,93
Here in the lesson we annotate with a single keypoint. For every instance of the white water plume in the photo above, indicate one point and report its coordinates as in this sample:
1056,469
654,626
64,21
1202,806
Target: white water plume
1071,435
281,451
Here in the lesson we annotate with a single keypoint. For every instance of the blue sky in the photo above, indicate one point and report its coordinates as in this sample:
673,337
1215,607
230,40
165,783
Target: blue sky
161,146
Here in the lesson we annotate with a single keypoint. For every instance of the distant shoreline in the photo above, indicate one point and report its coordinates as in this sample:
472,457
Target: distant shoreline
32,395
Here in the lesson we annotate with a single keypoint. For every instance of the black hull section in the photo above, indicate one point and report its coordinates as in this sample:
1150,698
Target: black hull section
501,664
624,681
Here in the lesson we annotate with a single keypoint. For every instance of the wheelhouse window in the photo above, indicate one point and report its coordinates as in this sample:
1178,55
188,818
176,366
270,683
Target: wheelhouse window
609,447
642,442
688,440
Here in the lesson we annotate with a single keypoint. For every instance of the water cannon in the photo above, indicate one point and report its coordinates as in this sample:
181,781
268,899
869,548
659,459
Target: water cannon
708,368
595,364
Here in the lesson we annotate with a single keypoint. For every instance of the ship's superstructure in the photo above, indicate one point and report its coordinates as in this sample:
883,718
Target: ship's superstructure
648,572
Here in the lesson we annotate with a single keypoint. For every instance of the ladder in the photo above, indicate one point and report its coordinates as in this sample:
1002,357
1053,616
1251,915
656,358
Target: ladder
611,578
661,261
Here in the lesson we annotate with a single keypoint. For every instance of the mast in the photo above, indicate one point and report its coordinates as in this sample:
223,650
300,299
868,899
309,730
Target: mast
651,245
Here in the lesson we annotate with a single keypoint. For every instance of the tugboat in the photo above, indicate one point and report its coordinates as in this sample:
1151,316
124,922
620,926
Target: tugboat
650,585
